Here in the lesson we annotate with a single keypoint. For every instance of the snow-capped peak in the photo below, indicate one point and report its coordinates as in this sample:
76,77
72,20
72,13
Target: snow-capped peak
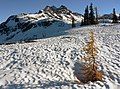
33,25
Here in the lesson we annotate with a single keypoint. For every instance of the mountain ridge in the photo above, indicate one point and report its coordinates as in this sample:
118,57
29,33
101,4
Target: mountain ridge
50,18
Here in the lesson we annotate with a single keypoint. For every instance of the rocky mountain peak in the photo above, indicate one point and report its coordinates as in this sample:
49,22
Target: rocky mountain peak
49,8
61,10
64,10
63,7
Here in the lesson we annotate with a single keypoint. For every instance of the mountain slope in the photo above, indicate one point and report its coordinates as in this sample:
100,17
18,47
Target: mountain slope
51,63
46,23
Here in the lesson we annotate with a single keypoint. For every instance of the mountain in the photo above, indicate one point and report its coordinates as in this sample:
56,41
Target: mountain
46,23
106,16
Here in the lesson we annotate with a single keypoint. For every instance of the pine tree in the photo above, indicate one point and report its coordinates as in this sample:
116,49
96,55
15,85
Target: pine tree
90,49
115,19
91,15
89,18
119,17
82,23
86,16
90,72
73,22
96,12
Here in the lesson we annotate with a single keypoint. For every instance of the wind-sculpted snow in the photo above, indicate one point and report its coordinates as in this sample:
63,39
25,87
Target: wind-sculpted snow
52,62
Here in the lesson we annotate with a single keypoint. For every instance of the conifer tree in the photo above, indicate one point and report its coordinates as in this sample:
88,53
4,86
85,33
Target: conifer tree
89,18
115,19
73,22
90,72
82,23
119,17
96,12
86,16
91,15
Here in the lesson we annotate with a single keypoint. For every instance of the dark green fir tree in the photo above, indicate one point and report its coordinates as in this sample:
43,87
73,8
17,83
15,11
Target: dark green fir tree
115,19
91,15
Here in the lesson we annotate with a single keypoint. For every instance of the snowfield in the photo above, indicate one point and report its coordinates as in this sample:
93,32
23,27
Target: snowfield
51,63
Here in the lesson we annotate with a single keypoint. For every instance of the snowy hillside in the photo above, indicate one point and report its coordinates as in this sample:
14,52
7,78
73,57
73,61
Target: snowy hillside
45,23
51,63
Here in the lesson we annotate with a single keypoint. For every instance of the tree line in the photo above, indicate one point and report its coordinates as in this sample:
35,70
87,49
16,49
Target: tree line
91,16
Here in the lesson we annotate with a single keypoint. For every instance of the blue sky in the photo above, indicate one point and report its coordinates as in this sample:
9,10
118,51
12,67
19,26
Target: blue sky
11,7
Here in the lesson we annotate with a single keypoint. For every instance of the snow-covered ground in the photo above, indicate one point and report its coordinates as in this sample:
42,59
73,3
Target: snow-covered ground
51,63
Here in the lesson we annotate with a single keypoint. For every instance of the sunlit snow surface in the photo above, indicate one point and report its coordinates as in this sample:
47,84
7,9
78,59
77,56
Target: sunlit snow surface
50,63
